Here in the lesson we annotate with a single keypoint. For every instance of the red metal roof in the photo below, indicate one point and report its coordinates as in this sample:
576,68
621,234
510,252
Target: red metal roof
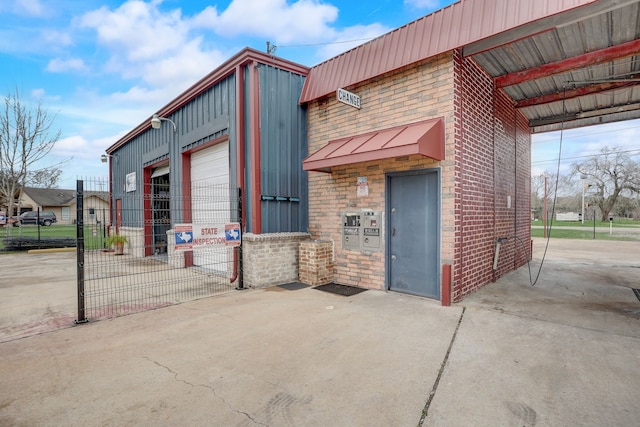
454,26
425,138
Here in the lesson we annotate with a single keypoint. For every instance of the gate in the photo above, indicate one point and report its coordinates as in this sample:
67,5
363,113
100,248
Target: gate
159,264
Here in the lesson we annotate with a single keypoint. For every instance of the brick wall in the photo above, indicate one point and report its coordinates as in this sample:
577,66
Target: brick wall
270,259
474,187
316,262
419,92
494,147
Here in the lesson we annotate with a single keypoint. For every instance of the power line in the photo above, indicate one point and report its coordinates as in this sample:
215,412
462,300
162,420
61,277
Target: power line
586,135
326,43
635,150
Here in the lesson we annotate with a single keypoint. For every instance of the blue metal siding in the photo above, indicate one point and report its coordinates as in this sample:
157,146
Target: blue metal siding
208,116
283,146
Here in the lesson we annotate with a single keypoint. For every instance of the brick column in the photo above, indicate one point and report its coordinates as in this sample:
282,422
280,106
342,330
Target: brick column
316,264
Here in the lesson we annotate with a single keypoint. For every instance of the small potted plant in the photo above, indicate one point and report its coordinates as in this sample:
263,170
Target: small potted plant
117,241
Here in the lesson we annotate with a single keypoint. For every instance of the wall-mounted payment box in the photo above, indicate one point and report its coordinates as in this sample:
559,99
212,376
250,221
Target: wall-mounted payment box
351,232
362,231
371,229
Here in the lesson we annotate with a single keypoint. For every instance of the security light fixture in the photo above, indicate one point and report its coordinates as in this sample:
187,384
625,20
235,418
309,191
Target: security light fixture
156,121
105,157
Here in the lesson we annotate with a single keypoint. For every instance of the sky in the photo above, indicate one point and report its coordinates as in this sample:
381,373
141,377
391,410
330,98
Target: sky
102,67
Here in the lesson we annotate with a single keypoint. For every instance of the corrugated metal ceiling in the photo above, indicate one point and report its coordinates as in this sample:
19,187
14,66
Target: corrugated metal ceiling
565,63
580,72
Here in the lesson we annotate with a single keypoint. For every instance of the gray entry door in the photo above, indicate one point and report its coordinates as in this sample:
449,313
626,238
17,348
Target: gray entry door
413,249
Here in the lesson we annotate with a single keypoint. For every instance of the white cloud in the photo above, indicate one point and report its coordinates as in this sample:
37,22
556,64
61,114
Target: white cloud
423,4
277,20
581,142
154,47
79,147
58,65
349,38
69,147
181,69
81,157
136,30
56,38
38,93
28,7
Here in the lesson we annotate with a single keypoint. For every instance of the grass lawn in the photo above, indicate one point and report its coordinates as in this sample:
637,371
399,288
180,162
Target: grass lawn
560,230
56,231
617,223
562,233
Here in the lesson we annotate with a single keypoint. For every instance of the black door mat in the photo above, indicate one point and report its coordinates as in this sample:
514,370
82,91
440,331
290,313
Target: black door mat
343,290
293,286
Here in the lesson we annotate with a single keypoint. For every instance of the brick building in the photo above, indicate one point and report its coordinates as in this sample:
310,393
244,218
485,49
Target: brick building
468,188
417,146
420,141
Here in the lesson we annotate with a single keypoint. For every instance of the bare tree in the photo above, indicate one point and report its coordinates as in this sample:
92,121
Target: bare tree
560,192
611,173
626,207
44,178
26,137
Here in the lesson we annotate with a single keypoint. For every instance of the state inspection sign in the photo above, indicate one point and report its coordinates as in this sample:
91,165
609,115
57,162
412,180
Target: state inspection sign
195,236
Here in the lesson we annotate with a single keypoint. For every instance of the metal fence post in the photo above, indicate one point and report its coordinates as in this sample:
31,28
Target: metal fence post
240,268
80,251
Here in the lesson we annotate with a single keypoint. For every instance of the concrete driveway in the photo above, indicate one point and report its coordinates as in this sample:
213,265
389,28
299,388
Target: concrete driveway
564,352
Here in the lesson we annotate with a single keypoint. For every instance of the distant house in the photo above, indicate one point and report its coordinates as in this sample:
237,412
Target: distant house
63,204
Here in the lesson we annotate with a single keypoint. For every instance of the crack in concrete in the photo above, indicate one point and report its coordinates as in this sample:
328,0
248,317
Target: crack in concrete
432,393
213,390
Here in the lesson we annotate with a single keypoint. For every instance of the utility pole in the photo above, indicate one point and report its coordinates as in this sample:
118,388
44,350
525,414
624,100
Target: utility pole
584,184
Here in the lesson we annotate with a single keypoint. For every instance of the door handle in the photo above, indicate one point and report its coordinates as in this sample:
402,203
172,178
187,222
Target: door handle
393,232
393,257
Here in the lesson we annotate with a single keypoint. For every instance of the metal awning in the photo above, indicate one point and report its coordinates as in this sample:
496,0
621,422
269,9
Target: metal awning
425,138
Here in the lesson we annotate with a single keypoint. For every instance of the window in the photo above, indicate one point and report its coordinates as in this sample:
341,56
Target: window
66,213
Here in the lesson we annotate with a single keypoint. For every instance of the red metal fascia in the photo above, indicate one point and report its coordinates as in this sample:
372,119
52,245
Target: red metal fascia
240,136
186,187
146,209
569,94
186,200
254,118
591,58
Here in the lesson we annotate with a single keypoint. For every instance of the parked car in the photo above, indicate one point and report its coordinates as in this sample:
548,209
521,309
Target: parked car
46,218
